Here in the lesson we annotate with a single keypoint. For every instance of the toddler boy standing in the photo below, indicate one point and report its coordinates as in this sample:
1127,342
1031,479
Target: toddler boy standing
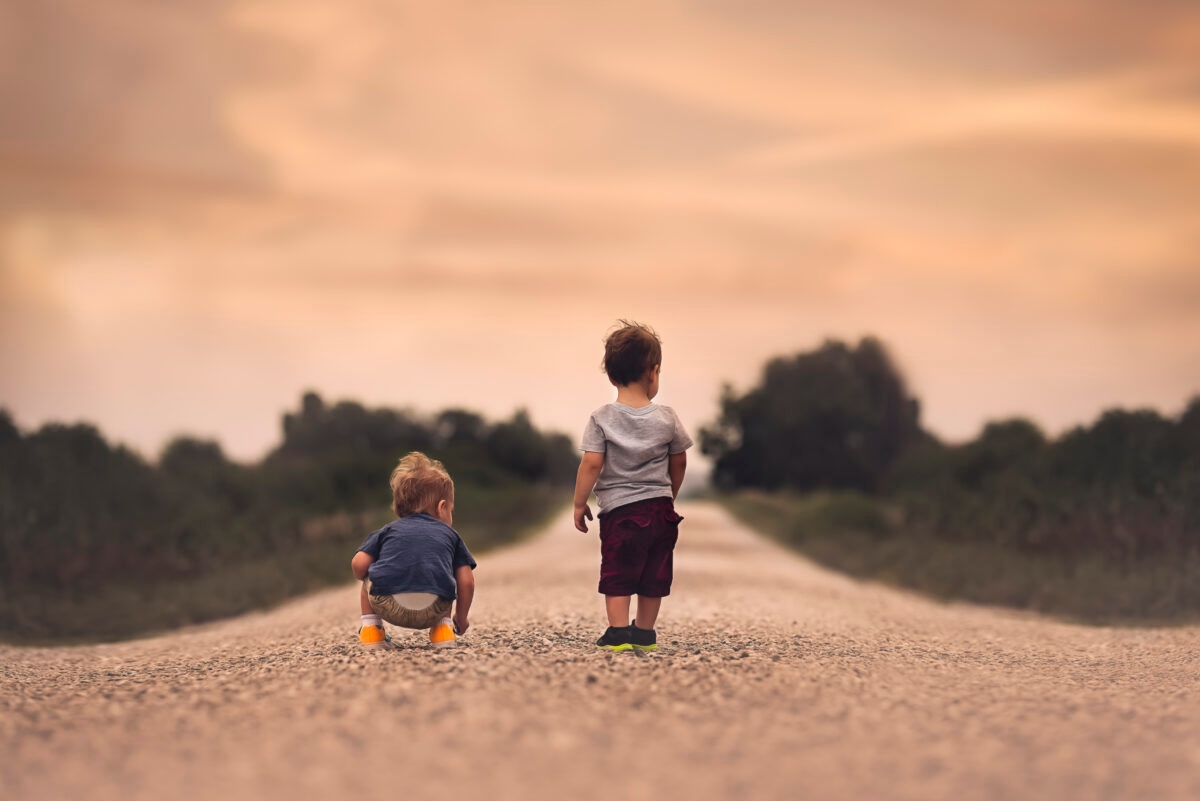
635,455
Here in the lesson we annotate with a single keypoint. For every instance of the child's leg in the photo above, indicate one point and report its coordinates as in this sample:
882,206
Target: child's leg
617,607
647,612
658,569
371,633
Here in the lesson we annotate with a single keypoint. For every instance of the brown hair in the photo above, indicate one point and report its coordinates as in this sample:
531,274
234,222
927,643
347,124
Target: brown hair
630,351
418,484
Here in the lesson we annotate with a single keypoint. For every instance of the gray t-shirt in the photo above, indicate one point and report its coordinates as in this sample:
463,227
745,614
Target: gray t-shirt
635,444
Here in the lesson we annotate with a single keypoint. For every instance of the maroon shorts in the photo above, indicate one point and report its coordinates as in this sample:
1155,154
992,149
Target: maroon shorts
636,543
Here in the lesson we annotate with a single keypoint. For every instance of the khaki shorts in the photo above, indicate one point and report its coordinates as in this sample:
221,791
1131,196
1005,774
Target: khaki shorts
387,608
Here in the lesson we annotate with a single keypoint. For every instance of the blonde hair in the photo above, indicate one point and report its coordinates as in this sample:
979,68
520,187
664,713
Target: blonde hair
419,484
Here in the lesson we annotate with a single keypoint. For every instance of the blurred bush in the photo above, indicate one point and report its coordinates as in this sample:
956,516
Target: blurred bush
1100,523
1122,490
95,542
837,417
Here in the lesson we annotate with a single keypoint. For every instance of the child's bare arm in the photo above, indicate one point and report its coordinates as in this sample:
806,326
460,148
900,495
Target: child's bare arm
589,471
676,467
464,577
360,563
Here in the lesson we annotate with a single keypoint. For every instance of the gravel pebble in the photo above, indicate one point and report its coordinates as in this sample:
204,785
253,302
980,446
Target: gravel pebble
773,679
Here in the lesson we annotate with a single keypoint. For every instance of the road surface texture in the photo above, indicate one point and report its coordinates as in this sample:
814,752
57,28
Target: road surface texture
774,679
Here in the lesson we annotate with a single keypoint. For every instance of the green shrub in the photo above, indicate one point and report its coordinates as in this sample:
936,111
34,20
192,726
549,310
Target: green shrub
120,546
1104,505
867,537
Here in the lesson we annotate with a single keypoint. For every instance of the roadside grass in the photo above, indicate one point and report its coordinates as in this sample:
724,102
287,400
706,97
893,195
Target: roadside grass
867,537
487,518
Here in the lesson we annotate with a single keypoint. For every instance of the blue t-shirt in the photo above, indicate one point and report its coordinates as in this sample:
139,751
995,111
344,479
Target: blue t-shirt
416,553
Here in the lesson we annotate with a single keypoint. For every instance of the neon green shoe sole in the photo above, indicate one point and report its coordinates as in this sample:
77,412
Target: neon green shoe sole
615,638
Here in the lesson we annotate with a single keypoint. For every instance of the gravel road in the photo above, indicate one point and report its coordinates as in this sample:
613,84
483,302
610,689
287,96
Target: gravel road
774,679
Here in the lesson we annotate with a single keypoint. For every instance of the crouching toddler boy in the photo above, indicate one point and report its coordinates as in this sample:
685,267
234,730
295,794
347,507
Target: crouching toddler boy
415,569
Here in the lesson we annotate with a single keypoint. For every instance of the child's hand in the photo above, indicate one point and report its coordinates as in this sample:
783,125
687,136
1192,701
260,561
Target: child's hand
580,513
461,624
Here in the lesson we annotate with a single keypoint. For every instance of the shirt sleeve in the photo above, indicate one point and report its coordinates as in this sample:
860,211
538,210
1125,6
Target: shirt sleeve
373,543
462,556
593,437
681,441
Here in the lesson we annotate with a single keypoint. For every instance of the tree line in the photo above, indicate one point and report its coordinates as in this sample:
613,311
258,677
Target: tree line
1124,489
82,520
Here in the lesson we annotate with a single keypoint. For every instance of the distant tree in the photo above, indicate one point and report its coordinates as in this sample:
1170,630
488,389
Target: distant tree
518,447
8,429
999,447
14,466
185,456
311,406
459,426
1189,432
1137,449
834,417
563,458
88,509
204,479
320,432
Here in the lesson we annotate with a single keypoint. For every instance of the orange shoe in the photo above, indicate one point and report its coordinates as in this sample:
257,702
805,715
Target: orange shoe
373,636
443,634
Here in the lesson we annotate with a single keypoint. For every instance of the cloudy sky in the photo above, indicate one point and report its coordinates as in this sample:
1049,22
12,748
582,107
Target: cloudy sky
206,209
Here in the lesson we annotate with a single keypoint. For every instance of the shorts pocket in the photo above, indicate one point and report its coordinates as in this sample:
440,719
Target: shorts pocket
636,521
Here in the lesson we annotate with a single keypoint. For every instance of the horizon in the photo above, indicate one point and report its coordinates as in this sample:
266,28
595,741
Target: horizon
427,414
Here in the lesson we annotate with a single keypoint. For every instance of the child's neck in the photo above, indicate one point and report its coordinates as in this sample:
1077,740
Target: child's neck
634,395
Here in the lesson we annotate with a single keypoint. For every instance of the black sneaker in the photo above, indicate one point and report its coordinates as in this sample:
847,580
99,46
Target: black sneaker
643,639
615,639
